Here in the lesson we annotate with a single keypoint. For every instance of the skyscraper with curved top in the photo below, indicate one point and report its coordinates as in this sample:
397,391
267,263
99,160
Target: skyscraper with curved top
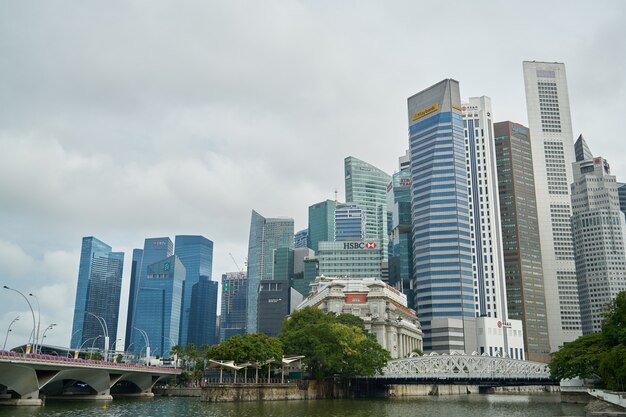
366,186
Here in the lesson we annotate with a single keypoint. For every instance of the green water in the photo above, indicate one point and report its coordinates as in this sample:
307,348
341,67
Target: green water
537,405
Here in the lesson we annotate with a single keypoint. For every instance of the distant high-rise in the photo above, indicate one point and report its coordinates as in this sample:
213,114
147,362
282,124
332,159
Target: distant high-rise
400,239
520,237
351,259
300,282
349,223
442,256
154,250
196,255
484,210
321,223
301,239
366,186
203,312
274,294
158,307
266,235
552,145
97,293
234,304
599,230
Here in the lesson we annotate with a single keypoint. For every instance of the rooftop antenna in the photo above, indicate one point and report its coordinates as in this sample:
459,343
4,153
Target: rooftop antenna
335,195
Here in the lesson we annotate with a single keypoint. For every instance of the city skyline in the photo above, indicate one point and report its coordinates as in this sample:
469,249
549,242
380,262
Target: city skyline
98,132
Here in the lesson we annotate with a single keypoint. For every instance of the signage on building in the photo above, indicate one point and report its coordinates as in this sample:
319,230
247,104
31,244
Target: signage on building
505,324
455,107
356,298
405,182
424,112
359,245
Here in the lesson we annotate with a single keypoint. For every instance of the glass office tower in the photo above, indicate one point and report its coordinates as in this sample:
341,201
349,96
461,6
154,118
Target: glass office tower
196,255
321,223
442,254
349,223
203,312
234,304
97,293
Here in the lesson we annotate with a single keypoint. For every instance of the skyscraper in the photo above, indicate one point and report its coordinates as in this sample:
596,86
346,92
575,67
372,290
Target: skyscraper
301,239
442,254
321,223
266,234
234,304
154,250
599,230
158,307
349,223
97,293
520,237
552,145
203,312
196,255
484,210
274,294
132,293
366,186
400,240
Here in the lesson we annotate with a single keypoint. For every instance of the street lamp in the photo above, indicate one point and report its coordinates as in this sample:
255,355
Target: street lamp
8,330
28,302
105,329
145,339
36,338
44,334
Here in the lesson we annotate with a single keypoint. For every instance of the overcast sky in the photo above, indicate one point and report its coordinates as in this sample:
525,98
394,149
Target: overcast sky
134,119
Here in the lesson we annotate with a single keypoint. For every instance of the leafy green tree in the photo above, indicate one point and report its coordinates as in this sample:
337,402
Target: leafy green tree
251,347
332,345
599,355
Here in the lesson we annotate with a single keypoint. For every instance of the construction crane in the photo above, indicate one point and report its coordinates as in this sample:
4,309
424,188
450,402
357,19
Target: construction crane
235,262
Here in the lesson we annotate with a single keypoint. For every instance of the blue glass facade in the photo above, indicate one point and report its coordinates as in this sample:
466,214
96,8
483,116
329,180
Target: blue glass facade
154,250
301,239
158,307
321,223
134,282
196,254
442,254
349,223
203,314
265,236
234,305
98,292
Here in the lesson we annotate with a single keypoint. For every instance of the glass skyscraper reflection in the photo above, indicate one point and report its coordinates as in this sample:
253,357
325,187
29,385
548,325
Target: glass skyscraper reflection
97,293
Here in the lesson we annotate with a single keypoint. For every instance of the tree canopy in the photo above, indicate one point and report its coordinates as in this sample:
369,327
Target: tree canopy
332,345
597,355
251,347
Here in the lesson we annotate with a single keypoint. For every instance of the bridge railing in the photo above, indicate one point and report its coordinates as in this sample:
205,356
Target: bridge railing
39,357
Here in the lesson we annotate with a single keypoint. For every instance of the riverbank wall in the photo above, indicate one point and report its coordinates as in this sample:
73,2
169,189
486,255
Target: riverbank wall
304,390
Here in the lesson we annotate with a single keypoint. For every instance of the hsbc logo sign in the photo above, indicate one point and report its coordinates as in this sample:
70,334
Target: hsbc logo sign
359,245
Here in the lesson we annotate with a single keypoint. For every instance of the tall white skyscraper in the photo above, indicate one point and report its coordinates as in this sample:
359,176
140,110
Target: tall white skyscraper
485,230
552,144
599,229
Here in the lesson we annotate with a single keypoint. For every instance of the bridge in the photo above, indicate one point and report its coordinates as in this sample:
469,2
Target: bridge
27,379
473,369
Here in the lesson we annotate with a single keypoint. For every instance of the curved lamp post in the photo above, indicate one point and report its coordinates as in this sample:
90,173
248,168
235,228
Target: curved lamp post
29,305
105,329
43,336
36,338
145,338
8,330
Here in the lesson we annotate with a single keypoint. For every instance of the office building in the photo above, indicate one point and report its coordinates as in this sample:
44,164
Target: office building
97,294
349,223
599,230
484,210
266,235
621,191
382,308
350,259
154,250
552,145
301,239
366,186
400,239
301,281
321,223
203,312
520,237
234,304
158,308
134,282
196,255
443,279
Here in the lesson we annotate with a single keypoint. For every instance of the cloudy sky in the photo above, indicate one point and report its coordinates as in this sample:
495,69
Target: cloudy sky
134,119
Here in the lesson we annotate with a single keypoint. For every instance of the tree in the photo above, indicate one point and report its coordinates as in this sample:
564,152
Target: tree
251,347
332,345
597,355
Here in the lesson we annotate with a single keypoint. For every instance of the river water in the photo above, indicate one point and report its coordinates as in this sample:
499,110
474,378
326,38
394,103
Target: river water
535,405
